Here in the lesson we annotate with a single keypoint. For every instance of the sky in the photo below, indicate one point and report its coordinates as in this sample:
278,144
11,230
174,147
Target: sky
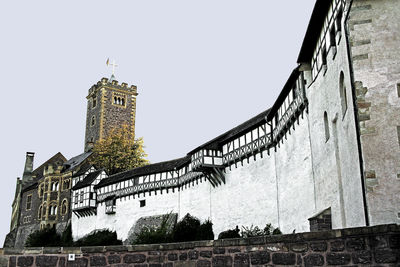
201,68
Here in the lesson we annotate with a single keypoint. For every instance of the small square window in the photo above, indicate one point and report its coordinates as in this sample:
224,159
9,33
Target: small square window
142,203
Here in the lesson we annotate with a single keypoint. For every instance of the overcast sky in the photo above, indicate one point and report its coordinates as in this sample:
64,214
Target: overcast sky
201,68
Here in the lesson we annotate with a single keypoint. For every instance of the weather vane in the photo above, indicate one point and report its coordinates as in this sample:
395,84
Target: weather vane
112,64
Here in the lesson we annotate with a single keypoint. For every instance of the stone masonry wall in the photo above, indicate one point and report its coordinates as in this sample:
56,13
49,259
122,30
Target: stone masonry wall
373,28
372,246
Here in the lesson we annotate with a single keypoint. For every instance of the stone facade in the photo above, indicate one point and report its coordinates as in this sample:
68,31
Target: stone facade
375,246
109,105
375,59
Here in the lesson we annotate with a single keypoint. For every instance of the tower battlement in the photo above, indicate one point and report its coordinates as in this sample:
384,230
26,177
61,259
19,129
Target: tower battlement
105,82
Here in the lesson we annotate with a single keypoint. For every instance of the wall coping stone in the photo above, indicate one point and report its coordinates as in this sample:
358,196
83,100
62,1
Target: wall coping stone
261,240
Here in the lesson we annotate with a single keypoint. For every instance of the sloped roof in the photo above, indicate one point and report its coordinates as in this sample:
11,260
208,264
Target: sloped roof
83,169
38,172
88,180
313,32
148,169
235,132
74,162
283,94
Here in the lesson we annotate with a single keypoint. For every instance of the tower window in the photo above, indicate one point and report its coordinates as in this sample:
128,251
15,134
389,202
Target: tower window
93,121
119,100
94,102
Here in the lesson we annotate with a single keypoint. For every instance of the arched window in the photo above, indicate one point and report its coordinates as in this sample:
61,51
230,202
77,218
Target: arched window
326,124
343,94
123,102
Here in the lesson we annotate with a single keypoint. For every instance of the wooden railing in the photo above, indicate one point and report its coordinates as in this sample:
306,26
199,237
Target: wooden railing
247,149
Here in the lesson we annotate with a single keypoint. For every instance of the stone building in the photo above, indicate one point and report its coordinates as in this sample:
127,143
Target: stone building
43,196
325,155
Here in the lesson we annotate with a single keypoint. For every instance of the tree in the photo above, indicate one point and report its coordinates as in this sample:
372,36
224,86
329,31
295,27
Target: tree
118,151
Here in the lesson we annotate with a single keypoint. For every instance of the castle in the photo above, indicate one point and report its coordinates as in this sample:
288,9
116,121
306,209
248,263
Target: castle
325,155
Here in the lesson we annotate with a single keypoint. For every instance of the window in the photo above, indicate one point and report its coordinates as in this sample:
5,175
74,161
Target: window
342,92
81,197
91,195
110,206
94,102
66,184
142,203
119,99
326,124
93,121
398,89
40,213
76,198
28,202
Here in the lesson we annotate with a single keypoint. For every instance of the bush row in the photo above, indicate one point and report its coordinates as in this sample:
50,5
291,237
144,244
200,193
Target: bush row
188,229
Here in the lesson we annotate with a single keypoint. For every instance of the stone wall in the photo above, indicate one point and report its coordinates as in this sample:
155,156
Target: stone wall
378,245
375,60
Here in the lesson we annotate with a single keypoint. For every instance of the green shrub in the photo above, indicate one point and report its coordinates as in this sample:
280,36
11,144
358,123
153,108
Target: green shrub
46,237
99,238
149,235
251,231
205,231
231,233
186,229
277,231
66,237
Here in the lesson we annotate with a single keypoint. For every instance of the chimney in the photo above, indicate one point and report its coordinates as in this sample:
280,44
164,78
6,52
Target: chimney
27,176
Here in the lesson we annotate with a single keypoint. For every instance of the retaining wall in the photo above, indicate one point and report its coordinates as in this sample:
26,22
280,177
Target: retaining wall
372,246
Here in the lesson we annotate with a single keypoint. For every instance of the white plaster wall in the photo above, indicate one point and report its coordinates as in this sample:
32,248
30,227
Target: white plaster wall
82,226
195,198
248,197
128,211
295,179
336,164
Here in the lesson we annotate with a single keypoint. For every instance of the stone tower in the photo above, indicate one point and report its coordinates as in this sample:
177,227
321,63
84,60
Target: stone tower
109,105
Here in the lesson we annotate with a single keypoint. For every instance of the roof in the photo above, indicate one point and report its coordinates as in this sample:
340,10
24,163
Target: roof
148,169
38,172
74,162
313,32
88,180
283,94
83,169
235,132
29,186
